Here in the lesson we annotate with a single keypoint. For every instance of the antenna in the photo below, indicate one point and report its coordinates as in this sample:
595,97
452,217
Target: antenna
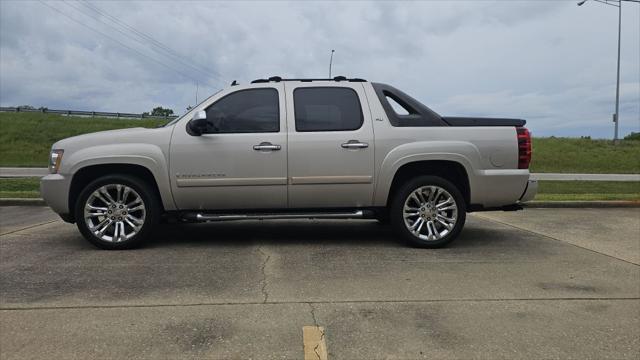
330,62
196,93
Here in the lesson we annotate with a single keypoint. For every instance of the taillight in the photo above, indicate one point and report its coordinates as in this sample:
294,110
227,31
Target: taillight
524,147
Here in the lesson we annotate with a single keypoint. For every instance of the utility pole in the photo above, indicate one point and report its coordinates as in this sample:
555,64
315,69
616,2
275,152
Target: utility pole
615,136
330,62
618,4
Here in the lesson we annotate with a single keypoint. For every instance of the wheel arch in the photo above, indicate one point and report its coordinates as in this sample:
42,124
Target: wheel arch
85,175
450,170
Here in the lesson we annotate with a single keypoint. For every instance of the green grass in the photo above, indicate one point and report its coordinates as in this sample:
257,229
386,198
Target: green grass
26,138
20,188
548,190
588,190
569,155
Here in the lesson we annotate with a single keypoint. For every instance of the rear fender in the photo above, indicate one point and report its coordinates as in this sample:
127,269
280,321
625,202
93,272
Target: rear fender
463,153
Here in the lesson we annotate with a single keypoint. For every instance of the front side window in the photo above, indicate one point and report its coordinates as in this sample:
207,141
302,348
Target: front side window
327,109
245,111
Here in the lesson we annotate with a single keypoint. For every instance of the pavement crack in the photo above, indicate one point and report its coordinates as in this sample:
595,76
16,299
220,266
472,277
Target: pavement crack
315,349
313,314
264,280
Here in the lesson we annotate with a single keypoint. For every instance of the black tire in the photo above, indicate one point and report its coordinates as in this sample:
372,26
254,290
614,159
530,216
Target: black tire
398,202
149,199
382,216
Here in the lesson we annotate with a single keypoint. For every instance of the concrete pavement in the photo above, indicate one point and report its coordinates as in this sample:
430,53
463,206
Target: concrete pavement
18,172
17,218
615,231
505,289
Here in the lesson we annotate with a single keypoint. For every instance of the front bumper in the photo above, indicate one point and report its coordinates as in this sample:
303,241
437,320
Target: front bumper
530,191
54,189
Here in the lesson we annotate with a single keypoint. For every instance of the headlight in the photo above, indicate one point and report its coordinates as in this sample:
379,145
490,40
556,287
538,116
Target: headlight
55,160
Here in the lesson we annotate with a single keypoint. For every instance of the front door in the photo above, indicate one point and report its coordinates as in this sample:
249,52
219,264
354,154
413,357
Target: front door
331,147
240,162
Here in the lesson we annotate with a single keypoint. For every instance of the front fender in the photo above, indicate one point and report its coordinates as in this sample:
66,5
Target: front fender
148,156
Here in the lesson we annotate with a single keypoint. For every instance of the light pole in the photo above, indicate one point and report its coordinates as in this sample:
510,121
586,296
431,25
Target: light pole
330,62
618,4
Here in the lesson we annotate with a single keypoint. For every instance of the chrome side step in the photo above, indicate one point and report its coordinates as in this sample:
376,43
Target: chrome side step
201,217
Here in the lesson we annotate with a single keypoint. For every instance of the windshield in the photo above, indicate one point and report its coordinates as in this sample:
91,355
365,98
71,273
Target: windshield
191,110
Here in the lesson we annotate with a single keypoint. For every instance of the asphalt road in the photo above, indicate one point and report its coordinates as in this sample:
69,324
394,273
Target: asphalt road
541,283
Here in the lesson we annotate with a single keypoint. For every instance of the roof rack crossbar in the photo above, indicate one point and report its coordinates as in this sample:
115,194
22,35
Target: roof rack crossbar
279,79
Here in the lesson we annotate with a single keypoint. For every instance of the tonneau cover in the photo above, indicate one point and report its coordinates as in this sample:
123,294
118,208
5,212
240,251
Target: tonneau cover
473,121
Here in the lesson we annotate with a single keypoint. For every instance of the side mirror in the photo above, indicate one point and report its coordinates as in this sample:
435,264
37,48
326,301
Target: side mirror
198,123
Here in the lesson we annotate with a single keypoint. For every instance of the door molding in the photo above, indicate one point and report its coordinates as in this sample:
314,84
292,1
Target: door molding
311,180
205,182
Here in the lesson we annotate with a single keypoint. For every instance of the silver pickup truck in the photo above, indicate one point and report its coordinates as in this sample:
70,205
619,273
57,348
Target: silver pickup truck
293,148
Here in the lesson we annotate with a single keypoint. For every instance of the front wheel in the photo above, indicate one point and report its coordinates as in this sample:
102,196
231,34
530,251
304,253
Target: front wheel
116,212
428,212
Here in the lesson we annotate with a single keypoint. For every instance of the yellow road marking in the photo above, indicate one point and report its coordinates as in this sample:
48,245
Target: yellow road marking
315,347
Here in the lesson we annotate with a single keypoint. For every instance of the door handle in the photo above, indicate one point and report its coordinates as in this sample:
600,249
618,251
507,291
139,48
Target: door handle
266,146
354,144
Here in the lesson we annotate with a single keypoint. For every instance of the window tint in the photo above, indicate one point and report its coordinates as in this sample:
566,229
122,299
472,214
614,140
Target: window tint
245,111
327,109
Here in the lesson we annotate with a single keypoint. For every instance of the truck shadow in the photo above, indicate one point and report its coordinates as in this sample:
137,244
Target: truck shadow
301,232
248,233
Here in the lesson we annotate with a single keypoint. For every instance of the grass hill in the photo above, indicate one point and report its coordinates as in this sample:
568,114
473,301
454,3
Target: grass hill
571,155
26,138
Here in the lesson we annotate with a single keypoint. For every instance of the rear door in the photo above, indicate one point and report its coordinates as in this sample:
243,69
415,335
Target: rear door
330,147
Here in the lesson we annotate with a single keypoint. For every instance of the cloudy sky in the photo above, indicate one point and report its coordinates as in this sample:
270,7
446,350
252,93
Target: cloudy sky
550,62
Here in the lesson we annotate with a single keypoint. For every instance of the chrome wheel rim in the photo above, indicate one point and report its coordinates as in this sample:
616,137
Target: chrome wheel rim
430,213
114,213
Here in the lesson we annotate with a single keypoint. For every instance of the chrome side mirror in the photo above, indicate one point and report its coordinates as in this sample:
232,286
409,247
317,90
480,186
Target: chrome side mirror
198,123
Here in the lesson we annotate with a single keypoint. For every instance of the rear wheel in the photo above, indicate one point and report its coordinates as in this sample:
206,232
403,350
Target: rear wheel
116,212
428,212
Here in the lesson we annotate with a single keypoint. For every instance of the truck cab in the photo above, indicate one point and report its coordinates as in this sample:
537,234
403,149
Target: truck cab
275,145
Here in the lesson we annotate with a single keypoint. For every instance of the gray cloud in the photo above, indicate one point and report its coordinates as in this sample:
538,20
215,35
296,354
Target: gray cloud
547,61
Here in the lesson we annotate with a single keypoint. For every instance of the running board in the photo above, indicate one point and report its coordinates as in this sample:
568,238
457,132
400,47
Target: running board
201,217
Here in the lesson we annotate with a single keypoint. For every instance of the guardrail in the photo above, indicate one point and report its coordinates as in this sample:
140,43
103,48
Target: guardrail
88,113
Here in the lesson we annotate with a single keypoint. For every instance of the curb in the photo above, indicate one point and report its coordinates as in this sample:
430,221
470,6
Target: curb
581,204
22,202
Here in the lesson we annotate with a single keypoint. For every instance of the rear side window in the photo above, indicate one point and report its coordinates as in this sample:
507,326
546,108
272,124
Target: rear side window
245,111
397,107
327,109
